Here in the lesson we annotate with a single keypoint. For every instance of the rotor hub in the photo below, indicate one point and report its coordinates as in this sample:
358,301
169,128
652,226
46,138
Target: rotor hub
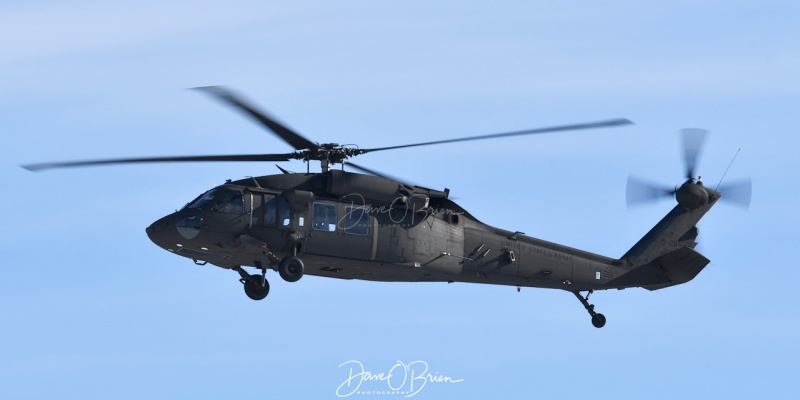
692,195
331,152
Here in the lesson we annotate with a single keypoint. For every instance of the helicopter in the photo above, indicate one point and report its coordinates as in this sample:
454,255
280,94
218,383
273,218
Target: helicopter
370,226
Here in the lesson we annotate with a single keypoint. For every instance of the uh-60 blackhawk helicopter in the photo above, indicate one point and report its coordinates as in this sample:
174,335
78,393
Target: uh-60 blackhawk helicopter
347,225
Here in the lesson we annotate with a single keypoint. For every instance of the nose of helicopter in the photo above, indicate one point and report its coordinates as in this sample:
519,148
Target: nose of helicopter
171,231
162,231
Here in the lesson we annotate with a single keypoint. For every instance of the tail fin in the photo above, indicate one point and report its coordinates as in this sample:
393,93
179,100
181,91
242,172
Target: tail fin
665,256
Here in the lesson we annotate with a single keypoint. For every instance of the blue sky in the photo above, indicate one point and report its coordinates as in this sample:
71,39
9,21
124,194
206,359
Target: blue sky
89,307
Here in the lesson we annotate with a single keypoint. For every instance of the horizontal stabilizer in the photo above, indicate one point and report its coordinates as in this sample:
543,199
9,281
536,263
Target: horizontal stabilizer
674,268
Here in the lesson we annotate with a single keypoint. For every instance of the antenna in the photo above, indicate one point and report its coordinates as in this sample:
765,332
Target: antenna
729,167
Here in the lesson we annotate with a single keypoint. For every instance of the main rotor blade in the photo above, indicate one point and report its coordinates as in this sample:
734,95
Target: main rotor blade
639,191
289,136
244,157
738,192
374,172
693,140
591,125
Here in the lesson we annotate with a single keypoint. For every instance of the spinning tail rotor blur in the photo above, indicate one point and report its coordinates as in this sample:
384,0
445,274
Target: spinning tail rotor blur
641,191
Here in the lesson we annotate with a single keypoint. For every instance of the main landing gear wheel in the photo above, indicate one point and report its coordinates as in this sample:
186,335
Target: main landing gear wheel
291,269
254,289
598,320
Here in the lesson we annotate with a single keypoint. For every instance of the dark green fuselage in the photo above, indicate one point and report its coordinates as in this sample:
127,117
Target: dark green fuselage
354,226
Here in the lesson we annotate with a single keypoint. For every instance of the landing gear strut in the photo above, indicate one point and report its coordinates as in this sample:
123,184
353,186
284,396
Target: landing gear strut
598,320
256,287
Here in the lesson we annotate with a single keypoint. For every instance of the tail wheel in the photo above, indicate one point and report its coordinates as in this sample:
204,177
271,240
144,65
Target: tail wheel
598,320
291,269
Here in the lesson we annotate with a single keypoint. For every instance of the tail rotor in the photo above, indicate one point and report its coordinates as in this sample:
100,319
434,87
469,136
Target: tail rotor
690,193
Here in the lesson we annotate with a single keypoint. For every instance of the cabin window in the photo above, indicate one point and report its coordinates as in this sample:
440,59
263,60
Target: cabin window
356,221
270,210
324,218
229,202
284,211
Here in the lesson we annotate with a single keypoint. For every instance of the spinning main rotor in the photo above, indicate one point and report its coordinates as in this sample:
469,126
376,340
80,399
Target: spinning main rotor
306,150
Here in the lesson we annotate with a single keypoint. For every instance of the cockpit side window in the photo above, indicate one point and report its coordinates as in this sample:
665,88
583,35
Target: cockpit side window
284,212
229,202
270,210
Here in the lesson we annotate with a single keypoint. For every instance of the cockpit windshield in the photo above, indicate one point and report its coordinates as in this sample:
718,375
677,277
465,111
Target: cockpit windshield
204,200
229,202
220,200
